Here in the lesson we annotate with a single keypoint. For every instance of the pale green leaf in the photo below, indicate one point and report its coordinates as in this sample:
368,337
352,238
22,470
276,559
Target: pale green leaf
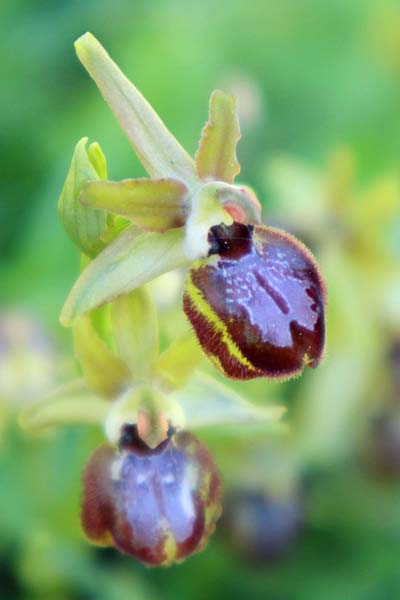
105,373
135,327
216,155
131,260
177,363
206,401
72,403
158,150
84,225
151,204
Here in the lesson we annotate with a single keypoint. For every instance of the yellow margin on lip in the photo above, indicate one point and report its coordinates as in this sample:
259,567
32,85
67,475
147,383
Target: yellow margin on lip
201,304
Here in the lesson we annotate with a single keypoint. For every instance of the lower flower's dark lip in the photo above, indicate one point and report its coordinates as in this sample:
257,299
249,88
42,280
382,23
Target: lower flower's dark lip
159,505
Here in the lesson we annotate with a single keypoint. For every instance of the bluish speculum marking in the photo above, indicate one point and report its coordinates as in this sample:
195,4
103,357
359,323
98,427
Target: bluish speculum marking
270,289
158,492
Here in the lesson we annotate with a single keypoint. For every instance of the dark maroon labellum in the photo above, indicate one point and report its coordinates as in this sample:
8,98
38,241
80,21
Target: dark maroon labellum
158,505
257,303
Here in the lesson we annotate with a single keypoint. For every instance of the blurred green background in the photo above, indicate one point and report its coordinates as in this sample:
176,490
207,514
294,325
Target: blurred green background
318,87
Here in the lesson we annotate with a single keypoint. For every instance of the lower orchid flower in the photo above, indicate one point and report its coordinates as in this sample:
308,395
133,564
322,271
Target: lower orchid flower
158,504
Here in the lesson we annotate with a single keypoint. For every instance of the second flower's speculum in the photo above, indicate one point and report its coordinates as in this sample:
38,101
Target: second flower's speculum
257,303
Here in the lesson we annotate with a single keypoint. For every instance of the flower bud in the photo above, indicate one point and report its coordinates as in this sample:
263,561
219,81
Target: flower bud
257,303
261,528
159,505
381,450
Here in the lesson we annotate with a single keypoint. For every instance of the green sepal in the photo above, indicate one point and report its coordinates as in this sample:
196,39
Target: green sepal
135,329
104,372
84,225
131,260
157,149
151,204
72,403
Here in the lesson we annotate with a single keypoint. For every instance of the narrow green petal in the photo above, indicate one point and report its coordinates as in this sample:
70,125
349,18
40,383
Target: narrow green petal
158,150
84,225
104,372
151,204
72,403
178,362
135,327
216,155
130,261
206,401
